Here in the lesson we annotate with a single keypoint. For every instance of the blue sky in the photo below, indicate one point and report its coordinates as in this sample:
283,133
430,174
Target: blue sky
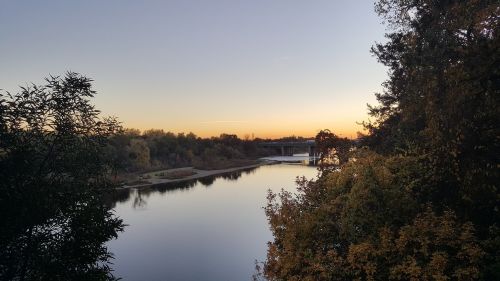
267,67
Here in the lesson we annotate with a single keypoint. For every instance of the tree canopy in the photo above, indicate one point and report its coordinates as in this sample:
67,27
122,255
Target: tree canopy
53,172
418,197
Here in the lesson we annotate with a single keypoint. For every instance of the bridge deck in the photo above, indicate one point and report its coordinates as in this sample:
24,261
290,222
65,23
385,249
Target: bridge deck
309,143
287,147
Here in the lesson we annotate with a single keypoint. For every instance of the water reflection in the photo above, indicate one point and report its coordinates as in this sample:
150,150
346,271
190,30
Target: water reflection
208,181
205,181
208,229
139,196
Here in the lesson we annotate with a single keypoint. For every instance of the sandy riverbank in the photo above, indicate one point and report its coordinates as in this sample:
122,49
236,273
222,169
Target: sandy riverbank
151,179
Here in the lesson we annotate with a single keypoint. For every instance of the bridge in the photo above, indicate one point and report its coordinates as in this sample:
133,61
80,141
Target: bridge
287,148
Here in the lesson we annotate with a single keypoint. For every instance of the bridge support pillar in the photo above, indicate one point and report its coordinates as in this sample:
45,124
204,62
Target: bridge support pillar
312,155
287,150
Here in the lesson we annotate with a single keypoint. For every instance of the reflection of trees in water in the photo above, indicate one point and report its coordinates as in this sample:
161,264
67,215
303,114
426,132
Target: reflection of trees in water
120,195
168,187
139,201
250,171
231,176
139,196
207,181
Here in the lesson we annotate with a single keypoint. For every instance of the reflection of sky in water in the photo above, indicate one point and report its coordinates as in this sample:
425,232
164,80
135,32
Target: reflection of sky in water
200,232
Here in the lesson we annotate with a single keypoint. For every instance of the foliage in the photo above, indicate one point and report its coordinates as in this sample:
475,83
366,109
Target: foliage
313,231
333,150
443,76
140,153
432,247
421,201
363,223
442,101
53,169
156,149
442,97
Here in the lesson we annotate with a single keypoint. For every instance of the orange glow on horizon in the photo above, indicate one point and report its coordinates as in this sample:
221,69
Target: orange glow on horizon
342,119
350,133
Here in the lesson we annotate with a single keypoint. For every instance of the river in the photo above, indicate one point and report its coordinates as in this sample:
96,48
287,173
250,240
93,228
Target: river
210,229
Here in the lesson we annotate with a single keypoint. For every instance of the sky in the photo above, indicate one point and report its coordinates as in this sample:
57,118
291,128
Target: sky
267,68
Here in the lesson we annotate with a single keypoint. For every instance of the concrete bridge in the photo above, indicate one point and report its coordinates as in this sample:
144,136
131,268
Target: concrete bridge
287,148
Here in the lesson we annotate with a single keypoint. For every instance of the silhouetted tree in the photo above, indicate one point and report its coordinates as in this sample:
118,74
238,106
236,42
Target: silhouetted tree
333,150
426,206
54,167
441,102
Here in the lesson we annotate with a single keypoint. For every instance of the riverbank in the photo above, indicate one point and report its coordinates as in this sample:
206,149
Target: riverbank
183,174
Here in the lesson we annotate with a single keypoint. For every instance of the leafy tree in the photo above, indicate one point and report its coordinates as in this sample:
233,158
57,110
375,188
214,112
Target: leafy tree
426,206
442,98
156,149
333,150
430,248
139,152
363,223
53,170
313,231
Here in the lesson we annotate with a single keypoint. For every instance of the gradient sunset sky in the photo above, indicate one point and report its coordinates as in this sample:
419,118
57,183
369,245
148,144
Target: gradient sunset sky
270,68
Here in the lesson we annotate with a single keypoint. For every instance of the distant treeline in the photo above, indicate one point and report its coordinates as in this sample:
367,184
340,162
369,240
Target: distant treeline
134,151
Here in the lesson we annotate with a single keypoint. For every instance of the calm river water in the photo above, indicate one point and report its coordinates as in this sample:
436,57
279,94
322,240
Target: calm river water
212,229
